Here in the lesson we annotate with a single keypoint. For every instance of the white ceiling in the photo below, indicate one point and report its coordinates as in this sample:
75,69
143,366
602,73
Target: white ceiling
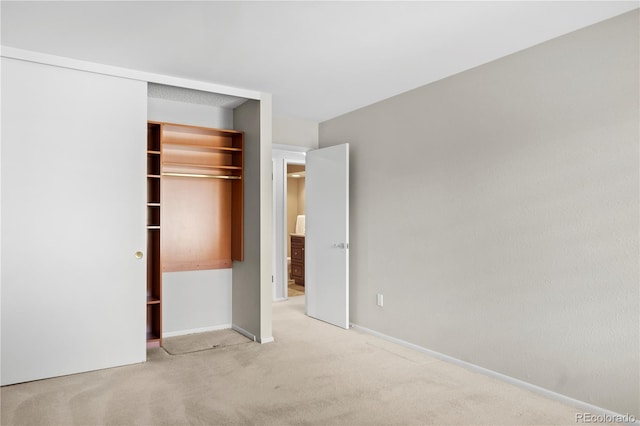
318,59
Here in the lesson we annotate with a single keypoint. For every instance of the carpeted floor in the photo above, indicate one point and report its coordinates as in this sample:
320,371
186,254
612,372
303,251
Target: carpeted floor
313,374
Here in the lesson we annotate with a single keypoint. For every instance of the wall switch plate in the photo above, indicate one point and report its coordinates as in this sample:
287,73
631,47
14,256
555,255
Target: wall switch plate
380,300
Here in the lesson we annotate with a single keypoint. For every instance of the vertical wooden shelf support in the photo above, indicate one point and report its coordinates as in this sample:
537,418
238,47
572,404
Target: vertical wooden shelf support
154,266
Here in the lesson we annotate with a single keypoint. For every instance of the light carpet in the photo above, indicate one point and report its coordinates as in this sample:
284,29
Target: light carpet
313,374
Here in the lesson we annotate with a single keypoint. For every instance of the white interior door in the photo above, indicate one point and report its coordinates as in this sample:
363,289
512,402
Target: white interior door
327,235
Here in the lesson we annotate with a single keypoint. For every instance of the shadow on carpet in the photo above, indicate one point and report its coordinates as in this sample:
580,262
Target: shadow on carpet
206,341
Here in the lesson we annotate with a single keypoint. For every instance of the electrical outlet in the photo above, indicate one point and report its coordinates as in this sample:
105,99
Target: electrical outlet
380,299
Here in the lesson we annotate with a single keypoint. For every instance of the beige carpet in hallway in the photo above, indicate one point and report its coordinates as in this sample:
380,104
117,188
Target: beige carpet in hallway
313,374
295,289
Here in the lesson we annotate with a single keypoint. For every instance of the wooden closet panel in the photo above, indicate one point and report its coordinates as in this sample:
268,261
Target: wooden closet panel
153,267
237,224
154,325
192,135
202,193
197,216
192,155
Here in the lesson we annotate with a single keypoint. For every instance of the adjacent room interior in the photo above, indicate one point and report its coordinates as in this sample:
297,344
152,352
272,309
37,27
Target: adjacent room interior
295,228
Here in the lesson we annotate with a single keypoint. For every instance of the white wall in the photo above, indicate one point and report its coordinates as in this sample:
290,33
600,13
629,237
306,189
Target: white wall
295,132
497,211
194,301
73,216
186,113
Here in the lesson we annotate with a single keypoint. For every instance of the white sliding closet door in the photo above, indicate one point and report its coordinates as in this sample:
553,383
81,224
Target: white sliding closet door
73,216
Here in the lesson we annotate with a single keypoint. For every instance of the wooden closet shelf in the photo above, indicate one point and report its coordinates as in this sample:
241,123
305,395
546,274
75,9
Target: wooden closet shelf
153,204
178,145
186,129
199,175
154,176
153,152
201,166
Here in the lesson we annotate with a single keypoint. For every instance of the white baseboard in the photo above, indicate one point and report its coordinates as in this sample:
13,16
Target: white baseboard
251,335
196,330
244,332
586,407
218,327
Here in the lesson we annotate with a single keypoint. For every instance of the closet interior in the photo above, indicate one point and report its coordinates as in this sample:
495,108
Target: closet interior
194,206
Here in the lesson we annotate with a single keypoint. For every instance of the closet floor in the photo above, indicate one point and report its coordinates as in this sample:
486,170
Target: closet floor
197,342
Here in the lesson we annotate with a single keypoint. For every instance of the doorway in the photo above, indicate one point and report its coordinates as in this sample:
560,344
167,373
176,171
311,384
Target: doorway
295,230
326,213
285,157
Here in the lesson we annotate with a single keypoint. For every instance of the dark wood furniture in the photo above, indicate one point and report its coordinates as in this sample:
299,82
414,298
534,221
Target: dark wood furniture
297,258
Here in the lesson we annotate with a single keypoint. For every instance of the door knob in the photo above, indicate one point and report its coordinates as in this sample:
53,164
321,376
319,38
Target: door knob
138,255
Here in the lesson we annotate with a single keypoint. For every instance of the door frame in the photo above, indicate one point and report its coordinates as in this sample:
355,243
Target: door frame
282,156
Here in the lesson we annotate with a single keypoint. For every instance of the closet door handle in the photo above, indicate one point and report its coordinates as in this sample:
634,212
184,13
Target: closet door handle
138,255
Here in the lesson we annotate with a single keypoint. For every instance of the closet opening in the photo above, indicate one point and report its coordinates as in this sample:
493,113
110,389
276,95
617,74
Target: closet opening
295,229
199,200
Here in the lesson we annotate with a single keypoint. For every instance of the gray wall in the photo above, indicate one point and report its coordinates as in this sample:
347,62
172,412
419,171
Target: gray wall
252,277
497,211
295,131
